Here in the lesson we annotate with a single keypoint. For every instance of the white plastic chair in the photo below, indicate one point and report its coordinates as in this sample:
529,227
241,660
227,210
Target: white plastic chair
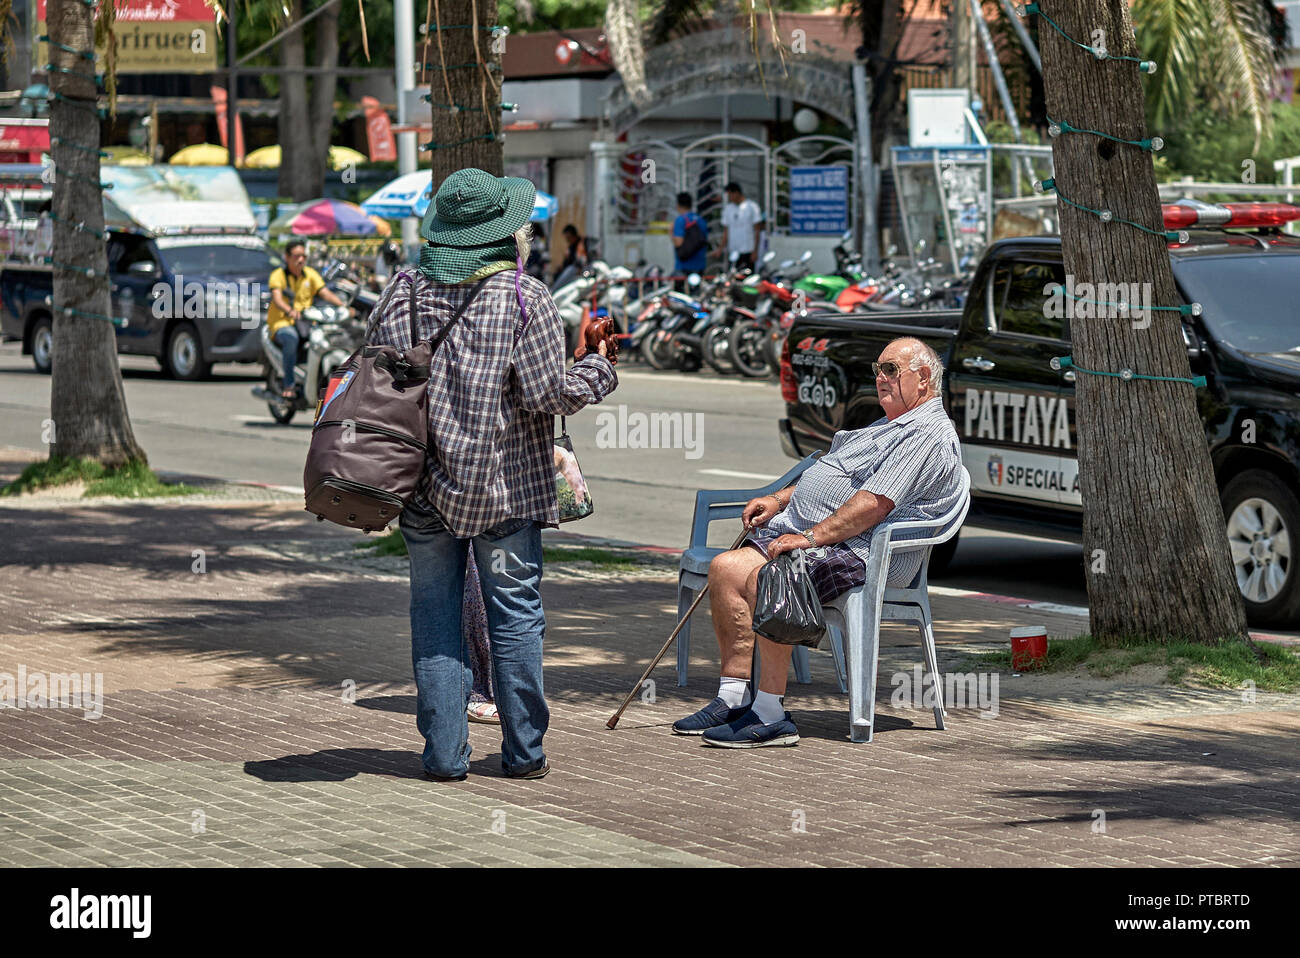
693,570
853,619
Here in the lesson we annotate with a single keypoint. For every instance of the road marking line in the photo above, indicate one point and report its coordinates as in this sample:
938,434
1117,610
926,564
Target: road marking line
730,474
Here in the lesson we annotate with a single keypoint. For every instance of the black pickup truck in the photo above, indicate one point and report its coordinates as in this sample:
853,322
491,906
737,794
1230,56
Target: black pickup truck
1015,413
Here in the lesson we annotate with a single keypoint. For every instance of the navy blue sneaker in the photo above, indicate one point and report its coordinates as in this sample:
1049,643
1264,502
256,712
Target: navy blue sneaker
713,715
748,731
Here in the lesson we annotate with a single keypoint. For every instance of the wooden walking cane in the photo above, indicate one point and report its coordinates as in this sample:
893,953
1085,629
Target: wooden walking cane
613,719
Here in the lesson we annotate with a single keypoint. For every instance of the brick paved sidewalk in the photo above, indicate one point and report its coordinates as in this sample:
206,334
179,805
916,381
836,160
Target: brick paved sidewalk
229,736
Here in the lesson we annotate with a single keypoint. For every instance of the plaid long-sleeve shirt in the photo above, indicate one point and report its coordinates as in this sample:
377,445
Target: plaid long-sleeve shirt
492,400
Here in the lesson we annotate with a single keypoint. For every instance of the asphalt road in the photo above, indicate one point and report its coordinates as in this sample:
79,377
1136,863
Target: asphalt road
727,439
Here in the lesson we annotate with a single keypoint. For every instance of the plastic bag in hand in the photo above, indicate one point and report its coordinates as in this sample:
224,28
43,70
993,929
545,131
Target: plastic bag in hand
787,609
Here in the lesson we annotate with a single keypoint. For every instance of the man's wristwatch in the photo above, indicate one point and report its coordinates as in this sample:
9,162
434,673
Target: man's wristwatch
807,534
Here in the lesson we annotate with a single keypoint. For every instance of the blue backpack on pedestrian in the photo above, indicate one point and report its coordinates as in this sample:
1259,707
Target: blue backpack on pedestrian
693,239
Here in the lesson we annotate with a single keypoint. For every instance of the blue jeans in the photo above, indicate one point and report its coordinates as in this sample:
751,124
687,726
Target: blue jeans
286,337
509,559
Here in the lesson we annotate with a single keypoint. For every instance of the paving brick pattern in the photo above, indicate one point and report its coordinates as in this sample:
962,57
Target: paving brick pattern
230,735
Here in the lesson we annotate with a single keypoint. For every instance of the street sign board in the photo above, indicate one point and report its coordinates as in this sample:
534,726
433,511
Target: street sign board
819,200
154,36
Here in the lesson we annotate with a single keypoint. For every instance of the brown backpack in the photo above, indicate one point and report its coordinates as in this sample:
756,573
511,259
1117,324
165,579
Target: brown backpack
370,437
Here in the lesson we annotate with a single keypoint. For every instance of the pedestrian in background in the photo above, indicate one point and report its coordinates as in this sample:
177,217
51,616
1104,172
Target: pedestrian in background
690,241
495,385
742,225
575,258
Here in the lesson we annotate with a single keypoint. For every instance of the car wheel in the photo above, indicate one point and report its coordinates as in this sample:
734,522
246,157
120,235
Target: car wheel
43,345
184,354
1263,520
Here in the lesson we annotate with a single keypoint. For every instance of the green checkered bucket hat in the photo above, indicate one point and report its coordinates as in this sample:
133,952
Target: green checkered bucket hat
471,224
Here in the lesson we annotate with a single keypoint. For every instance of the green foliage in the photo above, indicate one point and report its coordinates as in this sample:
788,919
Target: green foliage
1228,664
131,481
1219,53
1206,146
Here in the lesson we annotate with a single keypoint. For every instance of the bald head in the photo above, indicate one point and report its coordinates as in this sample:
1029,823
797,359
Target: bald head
918,377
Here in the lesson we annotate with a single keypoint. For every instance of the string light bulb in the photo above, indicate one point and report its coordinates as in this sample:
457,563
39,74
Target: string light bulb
1043,186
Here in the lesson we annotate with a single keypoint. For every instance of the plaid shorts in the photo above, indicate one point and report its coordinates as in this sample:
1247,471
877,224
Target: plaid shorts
835,568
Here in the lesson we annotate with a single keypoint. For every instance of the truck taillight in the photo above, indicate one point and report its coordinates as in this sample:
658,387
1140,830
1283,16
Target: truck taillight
789,385
1228,215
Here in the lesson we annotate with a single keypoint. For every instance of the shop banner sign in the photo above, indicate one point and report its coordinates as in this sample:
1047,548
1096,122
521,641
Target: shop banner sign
154,36
819,200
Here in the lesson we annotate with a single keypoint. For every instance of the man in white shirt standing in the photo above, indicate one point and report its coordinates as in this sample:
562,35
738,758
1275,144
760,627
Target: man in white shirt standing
742,223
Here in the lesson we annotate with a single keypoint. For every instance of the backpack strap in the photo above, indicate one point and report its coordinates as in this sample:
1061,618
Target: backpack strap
438,337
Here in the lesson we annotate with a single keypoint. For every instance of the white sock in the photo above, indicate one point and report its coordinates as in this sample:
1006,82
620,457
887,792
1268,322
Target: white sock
735,692
768,707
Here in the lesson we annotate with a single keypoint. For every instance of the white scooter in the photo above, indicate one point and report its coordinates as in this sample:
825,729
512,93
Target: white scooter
334,337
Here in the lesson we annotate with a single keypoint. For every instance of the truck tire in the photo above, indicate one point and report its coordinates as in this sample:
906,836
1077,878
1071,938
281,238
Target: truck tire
941,555
183,354
1263,520
42,340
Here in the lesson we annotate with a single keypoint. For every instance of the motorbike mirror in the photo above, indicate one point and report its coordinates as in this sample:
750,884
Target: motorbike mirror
891,249
848,235
693,279
769,256
807,255
787,263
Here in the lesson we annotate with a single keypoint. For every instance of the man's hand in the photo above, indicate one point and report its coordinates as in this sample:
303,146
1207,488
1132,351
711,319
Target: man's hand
758,512
786,543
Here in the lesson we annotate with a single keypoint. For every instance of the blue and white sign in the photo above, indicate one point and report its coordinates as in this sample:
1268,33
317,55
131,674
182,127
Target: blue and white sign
819,200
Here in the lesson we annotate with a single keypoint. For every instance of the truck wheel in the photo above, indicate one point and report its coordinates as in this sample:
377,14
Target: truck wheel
43,345
941,555
1263,518
183,357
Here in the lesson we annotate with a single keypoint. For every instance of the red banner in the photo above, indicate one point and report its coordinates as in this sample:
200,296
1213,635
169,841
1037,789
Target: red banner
219,101
379,132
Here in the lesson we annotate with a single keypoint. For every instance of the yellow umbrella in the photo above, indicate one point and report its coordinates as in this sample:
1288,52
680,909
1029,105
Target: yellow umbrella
263,158
200,154
126,156
382,225
341,156
268,158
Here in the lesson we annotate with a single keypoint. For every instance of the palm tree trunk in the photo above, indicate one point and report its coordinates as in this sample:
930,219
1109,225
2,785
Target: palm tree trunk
322,93
87,402
463,137
1151,511
296,142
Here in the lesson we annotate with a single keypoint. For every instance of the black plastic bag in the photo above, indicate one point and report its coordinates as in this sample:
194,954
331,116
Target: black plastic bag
787,609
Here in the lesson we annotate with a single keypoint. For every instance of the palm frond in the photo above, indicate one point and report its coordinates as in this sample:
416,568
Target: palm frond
1174,33
1246,60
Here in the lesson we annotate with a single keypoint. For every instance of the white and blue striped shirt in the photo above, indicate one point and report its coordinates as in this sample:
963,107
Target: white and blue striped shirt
914,461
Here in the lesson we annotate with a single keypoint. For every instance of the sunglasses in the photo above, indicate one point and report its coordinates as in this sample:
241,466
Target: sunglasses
891,370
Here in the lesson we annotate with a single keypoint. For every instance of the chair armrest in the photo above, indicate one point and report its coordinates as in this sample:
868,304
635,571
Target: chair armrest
712,505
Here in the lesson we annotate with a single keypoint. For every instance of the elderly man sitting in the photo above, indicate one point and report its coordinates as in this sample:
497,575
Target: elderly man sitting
904,466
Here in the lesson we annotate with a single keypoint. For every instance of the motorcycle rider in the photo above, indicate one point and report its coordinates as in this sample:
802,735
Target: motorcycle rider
304,284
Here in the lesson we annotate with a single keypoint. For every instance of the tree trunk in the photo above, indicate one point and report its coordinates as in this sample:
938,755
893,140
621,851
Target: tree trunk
296,143
476,88
322,94
1153,531
87,403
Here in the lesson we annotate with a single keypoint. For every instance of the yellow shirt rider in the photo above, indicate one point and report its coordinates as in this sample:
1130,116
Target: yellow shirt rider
302,284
